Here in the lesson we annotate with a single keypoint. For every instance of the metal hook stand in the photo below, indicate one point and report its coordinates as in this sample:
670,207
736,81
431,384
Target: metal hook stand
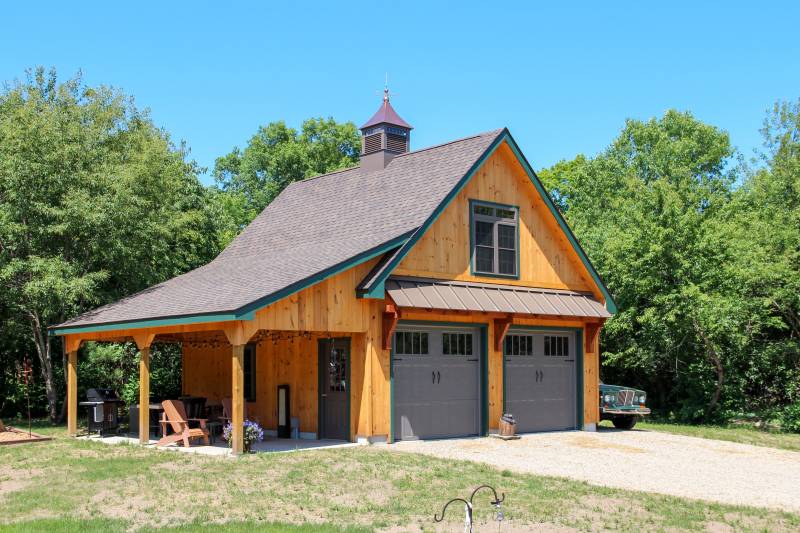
468,507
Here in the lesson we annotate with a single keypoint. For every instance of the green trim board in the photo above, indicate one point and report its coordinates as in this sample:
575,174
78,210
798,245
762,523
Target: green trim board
579,351
246,312
373,287
484,368
472,271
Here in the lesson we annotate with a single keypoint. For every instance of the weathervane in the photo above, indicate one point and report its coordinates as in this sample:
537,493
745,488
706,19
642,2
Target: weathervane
386,92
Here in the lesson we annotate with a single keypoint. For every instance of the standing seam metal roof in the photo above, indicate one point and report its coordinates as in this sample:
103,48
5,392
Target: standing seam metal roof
423,293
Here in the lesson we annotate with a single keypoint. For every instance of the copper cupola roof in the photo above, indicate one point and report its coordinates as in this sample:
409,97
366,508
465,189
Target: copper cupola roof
386,115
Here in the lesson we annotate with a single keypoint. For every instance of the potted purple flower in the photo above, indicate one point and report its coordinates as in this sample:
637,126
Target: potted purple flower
252,433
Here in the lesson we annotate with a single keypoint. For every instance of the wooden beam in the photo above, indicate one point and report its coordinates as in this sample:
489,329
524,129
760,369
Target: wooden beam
144,394
237,399
592,330
143,340
72,343
239,332
72,392
501,326
391,315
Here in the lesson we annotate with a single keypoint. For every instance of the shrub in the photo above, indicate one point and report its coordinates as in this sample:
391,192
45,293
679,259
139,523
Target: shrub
790,418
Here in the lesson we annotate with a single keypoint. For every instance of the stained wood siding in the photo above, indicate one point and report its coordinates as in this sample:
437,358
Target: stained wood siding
207,372
330,305
546,256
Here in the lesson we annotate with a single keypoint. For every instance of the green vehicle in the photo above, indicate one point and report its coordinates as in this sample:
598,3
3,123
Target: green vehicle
622,405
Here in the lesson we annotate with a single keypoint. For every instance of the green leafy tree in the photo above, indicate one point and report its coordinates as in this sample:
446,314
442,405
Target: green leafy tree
641,208
96,202
276,156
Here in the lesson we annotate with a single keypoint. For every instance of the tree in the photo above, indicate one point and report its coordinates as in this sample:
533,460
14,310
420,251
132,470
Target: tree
276,156
95,203
641,208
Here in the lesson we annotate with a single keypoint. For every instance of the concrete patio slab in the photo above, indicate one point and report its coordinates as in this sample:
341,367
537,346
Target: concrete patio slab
221,449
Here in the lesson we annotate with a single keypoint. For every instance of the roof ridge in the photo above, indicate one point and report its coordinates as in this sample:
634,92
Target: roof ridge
482,134
462,139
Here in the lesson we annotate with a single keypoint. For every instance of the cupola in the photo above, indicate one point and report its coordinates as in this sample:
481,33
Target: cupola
384,136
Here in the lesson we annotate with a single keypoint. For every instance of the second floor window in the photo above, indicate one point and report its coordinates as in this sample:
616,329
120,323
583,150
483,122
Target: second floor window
495,239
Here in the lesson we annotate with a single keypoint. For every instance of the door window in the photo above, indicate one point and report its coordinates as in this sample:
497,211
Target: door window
337,370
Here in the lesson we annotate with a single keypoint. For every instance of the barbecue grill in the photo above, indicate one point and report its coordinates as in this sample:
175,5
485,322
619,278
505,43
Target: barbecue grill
102,404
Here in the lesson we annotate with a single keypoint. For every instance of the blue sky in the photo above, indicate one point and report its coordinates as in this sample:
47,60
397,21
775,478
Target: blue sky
563,79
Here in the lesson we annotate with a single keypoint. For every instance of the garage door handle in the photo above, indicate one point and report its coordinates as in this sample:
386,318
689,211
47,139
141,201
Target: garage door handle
438,377
433,376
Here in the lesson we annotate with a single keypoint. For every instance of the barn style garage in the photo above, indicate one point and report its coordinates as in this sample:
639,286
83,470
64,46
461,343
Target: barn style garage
419,295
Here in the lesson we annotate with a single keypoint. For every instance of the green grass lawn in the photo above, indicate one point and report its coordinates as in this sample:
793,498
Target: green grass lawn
72,485
743,434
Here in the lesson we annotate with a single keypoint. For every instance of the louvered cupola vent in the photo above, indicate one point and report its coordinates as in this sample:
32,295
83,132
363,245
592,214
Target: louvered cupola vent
396,143
383,137
372,143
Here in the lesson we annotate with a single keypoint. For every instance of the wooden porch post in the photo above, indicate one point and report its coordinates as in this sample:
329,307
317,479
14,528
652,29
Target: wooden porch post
71,346
143,342
237,399
238,334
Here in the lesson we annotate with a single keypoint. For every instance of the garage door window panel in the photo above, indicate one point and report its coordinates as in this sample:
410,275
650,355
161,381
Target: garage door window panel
556,346
457,344
411,343
519,345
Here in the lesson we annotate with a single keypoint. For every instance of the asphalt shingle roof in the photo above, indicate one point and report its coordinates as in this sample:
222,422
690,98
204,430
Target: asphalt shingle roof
312,226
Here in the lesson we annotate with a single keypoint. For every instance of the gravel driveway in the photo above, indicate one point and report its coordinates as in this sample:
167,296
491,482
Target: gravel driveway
641,460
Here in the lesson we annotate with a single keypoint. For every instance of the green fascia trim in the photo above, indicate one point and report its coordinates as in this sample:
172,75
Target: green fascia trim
377,292
154,322
246,312
611,306
578,359
472,270
484,363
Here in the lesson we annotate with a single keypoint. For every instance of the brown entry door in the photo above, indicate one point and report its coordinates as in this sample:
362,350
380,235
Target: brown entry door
334,387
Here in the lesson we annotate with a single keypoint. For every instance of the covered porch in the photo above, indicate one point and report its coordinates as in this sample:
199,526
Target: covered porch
320,375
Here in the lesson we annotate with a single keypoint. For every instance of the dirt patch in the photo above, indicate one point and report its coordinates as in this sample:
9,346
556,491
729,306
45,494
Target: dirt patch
14,479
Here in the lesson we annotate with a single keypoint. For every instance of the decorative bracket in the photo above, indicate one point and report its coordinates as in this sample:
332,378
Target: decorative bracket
501,326
592,330
391,315
239,332
143,340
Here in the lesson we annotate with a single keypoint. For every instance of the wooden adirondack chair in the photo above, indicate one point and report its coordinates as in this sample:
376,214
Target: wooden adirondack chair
175,416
